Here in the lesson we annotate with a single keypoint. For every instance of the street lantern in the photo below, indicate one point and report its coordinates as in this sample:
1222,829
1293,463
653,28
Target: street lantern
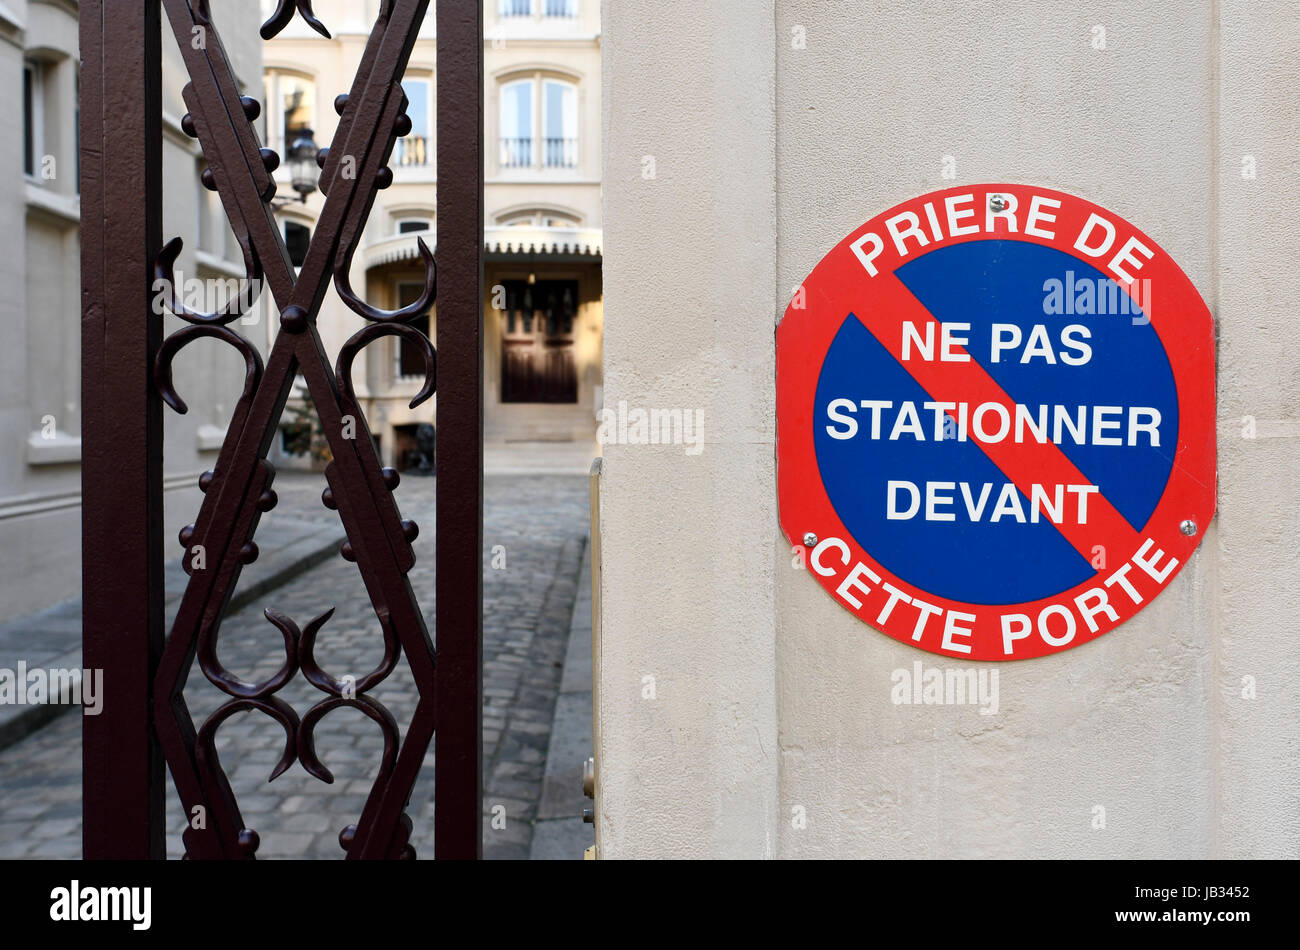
303,172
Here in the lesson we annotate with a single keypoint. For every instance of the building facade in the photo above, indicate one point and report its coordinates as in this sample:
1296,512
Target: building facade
543,311
40,365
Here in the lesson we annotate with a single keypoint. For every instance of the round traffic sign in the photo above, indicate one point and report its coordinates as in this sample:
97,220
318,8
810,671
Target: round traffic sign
995,421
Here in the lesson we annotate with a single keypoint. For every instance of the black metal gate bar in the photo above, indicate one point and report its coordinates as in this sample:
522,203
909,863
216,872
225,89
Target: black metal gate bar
128,373
459,626
121,424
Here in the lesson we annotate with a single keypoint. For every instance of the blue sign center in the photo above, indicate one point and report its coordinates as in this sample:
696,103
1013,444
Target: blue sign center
1088,374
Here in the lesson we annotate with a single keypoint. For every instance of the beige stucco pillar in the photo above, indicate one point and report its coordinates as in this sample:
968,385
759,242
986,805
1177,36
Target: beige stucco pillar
772,131
688,684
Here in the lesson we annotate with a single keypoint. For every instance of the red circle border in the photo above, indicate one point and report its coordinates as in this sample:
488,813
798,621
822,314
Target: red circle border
1185,328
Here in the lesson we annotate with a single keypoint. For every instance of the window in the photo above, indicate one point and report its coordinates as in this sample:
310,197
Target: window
560,124
215,236
297,238
32,117
298,98
567,9
517,124
539,124
416,149
538,218
291,109
512,8
206,200
410,359
76,130
414,225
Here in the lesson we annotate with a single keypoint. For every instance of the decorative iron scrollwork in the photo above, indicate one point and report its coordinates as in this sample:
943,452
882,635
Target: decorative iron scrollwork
162,371
368,334
238,489
343,284
284,13
234,308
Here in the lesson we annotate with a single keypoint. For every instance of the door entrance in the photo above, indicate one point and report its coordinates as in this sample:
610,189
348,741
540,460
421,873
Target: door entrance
537,360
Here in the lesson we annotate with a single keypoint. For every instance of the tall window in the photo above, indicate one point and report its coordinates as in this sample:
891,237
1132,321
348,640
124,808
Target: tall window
291,109
31,116
539,124
206,200
517,124
76,130
560,124
416,149
297,239
298,98
410,359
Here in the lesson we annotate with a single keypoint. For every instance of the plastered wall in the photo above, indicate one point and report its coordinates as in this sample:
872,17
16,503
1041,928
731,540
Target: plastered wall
40,366
774,129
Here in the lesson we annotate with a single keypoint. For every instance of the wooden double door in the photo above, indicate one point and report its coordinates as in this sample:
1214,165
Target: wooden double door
537,359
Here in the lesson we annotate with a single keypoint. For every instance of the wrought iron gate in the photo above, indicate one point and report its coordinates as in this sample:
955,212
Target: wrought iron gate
127,377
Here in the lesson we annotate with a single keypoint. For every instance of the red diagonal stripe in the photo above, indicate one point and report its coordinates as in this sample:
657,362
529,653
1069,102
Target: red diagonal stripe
1024,464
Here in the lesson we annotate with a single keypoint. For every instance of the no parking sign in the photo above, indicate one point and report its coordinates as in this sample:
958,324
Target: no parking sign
995,421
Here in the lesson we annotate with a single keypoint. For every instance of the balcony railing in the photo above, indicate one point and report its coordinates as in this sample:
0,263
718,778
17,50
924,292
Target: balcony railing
556,153
413,151
557,9
516,153
561,153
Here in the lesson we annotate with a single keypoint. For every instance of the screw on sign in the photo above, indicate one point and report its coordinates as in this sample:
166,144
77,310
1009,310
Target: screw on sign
995,421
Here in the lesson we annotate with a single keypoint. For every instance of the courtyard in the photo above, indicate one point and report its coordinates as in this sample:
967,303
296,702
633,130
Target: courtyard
534,574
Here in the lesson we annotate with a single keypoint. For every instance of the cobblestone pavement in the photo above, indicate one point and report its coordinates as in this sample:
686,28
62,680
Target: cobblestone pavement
535,530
